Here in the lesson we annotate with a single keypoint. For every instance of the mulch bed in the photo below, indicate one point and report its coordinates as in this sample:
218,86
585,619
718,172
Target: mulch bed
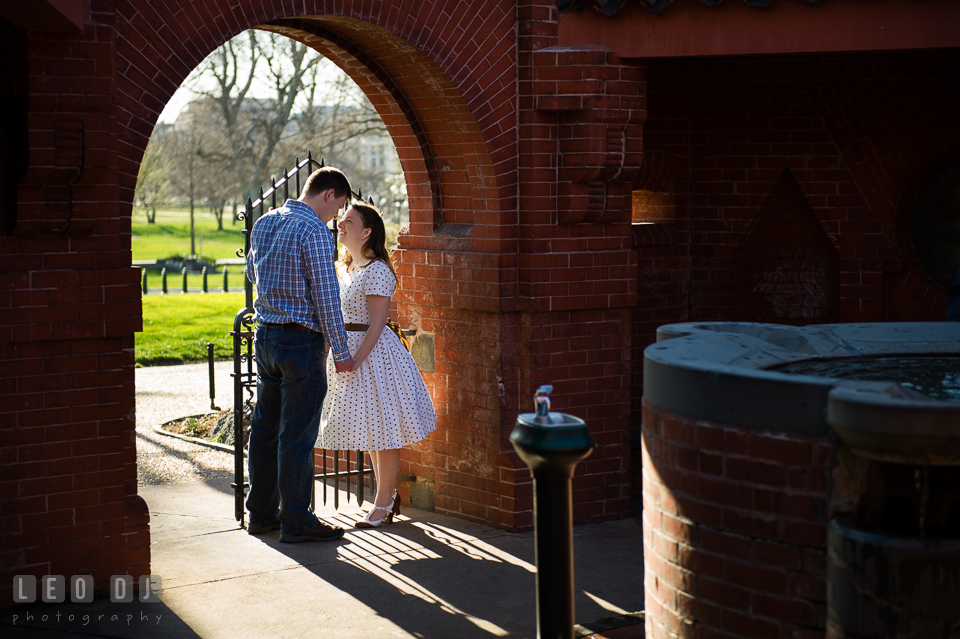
200,427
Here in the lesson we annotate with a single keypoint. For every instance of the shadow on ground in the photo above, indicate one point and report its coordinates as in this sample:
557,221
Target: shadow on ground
428,576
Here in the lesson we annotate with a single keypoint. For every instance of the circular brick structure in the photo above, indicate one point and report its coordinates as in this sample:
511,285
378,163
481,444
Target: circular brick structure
738,465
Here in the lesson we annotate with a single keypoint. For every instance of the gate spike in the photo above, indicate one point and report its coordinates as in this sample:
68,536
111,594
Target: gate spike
324,476
336,480
348,476
361,464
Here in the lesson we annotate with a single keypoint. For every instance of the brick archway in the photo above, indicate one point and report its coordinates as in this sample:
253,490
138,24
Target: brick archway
88,102
449,261
441,115
518,262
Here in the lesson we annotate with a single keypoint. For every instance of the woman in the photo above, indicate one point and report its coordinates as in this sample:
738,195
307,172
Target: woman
381,405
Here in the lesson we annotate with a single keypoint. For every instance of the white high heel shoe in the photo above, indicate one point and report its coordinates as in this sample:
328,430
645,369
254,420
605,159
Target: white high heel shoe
391,510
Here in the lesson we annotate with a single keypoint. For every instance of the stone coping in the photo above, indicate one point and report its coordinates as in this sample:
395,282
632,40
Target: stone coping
888,422
715,370
160,430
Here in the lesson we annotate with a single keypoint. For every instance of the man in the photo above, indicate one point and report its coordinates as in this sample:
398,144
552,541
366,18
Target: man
297,308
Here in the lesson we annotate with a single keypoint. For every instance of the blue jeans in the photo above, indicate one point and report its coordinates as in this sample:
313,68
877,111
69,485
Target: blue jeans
291,385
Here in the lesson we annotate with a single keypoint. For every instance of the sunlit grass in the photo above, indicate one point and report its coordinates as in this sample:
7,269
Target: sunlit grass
170,235
177,328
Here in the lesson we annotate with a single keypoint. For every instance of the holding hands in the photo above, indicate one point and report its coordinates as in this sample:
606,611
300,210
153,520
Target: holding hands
378,306
346,366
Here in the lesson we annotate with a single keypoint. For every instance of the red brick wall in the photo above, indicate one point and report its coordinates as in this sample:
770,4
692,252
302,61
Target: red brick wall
858,133
70,305
734,528
663,271
580,120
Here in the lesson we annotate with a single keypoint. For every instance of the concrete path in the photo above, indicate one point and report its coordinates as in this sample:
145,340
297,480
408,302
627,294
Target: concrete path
428,576
165,393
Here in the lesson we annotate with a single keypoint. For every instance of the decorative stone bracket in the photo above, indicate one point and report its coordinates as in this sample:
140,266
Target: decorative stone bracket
600,107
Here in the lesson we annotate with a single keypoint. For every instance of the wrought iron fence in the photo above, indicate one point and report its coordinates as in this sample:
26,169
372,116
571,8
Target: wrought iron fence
245,373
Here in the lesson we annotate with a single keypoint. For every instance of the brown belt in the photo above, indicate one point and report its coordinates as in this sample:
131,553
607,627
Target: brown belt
356,327
289,326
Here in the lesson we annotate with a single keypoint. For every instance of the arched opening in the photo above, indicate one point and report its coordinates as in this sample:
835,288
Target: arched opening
443,152
448,260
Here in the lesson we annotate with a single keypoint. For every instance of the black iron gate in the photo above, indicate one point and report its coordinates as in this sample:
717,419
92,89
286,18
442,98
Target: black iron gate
244,364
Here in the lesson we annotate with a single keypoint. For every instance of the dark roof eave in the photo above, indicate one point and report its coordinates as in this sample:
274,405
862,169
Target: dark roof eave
611,7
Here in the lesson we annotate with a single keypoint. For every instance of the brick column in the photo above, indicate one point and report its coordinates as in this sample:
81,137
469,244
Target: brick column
581,121
734,529
70,303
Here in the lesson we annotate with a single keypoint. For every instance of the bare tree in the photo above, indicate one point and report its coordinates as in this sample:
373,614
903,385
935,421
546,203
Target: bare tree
334,115
254,127
153,181
188,144
229,73
341,125
218,190
263,100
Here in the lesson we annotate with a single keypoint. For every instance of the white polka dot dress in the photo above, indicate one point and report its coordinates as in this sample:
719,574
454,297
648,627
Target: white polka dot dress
383,404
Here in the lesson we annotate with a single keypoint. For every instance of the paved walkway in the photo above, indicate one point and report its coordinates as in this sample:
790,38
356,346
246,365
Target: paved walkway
165,393
428,576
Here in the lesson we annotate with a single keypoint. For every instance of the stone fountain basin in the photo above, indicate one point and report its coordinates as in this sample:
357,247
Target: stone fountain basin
888,422
727,372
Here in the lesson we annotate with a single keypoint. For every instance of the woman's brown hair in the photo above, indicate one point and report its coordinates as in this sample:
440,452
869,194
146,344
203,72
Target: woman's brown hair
375,248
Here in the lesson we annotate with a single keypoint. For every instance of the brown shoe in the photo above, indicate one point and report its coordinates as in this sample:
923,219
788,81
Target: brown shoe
320,532
259,530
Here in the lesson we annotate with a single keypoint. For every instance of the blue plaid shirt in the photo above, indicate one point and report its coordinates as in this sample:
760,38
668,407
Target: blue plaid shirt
291,264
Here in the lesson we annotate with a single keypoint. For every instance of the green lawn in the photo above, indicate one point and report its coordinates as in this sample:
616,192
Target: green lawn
177,328
170,235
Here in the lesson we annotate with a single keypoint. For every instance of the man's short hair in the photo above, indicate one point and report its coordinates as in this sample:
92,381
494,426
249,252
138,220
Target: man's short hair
326,178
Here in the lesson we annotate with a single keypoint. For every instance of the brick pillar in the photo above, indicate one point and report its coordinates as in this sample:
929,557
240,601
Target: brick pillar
734,530
581,117
70,303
